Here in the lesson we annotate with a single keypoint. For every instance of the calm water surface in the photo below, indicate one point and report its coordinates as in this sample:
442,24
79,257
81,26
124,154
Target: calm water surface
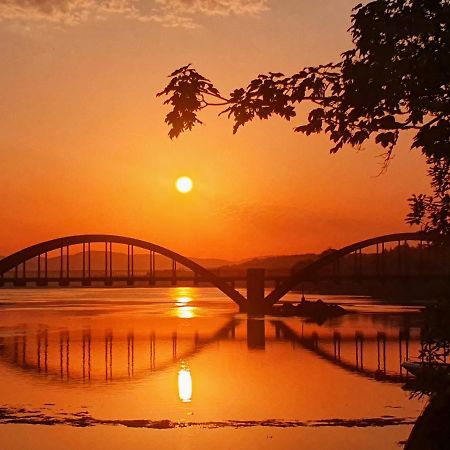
178,368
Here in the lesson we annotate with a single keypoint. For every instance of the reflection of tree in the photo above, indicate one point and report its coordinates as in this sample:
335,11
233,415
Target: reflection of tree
436,335
431,430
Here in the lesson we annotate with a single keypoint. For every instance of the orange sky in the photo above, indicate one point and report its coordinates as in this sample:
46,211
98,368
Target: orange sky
84,147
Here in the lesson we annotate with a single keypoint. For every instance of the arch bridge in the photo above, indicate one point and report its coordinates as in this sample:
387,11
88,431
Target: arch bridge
399,256
394,256
16,265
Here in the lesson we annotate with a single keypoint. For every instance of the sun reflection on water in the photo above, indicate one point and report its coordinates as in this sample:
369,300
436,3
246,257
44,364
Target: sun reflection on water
183,297
186,312
183,301
184,384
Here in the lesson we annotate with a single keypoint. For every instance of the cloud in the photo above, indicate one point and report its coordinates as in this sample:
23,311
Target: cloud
173,13
214,7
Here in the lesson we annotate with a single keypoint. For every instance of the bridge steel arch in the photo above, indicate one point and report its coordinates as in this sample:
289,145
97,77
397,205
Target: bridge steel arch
307,273
14,260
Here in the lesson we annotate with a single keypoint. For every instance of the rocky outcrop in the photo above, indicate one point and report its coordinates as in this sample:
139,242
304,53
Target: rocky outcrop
314,310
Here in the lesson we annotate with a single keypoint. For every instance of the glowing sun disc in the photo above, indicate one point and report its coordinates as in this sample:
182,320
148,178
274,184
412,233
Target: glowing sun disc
184,185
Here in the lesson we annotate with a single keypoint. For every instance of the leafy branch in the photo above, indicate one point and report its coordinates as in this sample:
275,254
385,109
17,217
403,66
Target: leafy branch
396,78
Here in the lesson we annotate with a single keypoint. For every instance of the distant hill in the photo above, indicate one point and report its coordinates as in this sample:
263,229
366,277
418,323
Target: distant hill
119,261
273,263
211,263
141,262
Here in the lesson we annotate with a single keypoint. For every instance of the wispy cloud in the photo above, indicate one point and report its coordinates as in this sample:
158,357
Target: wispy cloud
214,7
172,13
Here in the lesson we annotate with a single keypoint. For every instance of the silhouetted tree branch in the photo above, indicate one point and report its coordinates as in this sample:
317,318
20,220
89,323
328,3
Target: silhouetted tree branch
432,212
395,78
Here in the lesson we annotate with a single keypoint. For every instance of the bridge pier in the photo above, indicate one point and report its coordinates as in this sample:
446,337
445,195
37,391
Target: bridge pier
255,292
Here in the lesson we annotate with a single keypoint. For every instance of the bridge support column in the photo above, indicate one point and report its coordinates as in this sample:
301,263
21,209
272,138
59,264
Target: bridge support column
255,292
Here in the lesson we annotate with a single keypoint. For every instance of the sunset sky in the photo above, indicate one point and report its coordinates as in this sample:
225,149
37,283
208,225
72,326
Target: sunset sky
84,147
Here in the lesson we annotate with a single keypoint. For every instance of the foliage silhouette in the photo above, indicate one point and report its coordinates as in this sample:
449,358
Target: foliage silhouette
395,79
431,429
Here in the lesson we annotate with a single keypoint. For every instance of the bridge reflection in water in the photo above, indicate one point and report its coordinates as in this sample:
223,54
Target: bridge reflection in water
93,357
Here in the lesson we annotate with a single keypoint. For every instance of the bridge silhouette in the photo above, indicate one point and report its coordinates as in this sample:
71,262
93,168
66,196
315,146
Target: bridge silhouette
365,260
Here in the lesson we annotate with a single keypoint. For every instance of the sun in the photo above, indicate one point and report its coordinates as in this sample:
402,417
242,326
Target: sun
184,185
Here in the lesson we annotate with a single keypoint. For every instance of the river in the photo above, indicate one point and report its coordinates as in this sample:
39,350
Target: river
179,368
